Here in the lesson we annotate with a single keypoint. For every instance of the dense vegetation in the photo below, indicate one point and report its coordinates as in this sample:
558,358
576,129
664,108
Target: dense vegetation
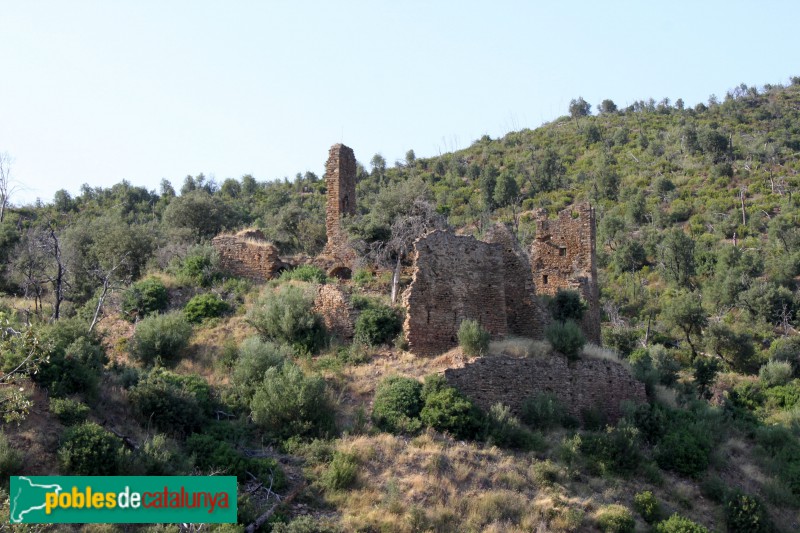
157,362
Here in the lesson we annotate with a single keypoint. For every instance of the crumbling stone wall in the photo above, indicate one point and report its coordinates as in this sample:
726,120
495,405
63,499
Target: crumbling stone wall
524,314
248,254
340,180
563,257
455,278
580,385
338,314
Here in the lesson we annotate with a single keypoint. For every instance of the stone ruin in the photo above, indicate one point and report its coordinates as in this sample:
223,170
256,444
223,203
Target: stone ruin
457,278
248,254
581,386
332,303
563,257
338,256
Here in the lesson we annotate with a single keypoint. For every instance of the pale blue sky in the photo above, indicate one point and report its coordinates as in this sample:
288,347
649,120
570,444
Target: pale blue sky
100,91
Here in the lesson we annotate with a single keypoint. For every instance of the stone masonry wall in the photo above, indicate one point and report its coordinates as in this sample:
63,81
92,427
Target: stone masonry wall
580,385
340,180
524,314
249,255
563,257
333,304
455,278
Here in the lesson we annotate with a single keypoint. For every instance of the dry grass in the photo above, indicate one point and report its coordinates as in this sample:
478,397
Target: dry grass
596,352
520,347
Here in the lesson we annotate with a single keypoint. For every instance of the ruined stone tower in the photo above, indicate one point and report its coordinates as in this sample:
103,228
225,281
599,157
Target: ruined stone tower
563,257
340,178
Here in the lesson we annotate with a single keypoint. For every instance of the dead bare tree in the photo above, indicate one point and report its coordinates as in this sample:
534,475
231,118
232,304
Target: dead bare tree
58,280
421,218
108,282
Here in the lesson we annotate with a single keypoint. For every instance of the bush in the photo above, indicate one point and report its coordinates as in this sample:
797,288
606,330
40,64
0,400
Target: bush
90,450
206,305
308,273
144,298
254,359
341,473
472,338
69,412
397,404
678,524
160,338
566,337
684,451
210,453
286,316
505,430
651,420
10,460
543,411
567,305
75,369
161,456
617,450
665,363
288,403
174,403
200,266
646,504
377,325
775,373
448,411
615,519
745,514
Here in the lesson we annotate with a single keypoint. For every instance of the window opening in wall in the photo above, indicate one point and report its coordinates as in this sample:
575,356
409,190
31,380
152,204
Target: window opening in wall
562,251
544,279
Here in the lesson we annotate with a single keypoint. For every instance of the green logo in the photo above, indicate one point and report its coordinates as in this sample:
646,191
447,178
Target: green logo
122,499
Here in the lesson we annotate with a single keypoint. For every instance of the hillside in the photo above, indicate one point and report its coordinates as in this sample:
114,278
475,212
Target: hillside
128,350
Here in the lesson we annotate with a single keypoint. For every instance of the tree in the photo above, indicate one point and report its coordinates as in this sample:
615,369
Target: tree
685,313
579,108
6,187
608,107
676,256
378,163
506,190
411,158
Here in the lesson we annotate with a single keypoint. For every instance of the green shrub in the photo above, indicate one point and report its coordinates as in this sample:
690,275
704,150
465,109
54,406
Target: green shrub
775,373
90,450
341,472
397,404
665,363
288,403
646,504
210,453
363,277
74,357
308,273
200,266
161,456
69,412
567,305
505,429
206,305
651,420
377,325
447,410
472,338
285,315
254,359
566,338
746,514
144,298
160,338
543,411
10,460
174,403
615,519
617,450
783,396
678,524
593,418
684,451
621,339
787,349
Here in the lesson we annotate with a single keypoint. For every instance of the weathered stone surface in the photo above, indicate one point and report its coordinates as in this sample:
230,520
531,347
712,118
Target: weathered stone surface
525,316
248,254
340,180
455,278
563,257
580,385
333,304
